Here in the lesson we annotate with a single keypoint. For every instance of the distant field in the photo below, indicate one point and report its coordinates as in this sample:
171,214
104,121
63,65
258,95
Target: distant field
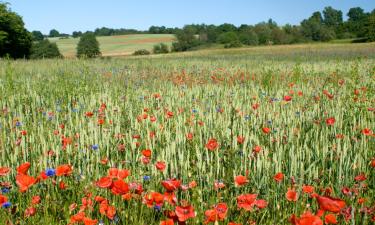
116,45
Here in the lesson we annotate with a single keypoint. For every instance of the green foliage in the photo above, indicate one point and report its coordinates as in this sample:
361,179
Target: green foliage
88,46
186,40
45,49
160,49
228,37
142,52
370,27
54,33
37,35
76,34
15,40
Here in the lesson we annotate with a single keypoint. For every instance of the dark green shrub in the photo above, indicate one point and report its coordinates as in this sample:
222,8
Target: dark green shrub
88,46
44,50
142,52
228,37
160,49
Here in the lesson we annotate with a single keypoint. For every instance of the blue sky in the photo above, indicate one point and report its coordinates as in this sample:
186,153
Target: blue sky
70,15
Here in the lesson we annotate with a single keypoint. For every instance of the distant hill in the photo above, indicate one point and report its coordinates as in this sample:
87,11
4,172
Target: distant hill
116,45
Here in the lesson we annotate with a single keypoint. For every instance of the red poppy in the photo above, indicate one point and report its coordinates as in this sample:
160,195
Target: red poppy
329,204
360,177
261,203
184,213
246,201
167,222
218,185
119,187
240,139
366,132
287,98
89,114
169,114
307,189
104,182
306,219
77,217
3,199
257,149
64,170
4,171
212,144
36,200
330,121
218,213
373,163
24,182
29,212
88,221
255,106
240,180
171,185
118,173
291,195
266,130
189,136
22,169
279,177
160,166
146,153
330,219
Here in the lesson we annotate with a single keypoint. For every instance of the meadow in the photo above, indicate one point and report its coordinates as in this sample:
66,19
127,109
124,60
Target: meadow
263,135
115,45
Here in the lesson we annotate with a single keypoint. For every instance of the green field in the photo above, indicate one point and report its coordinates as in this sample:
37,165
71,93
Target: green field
263,135
116,45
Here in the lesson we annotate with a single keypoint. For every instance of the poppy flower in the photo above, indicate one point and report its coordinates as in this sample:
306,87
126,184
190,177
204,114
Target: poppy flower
189,136
171,185
306,219
266,130
119,187
257,149
218,185
88,221
22,169
366,132
360,177
330,121
3,199
29,212
240,139
307,189
4,171
170,197
261,203
184,213
330,219
291,195
35,200
212,144
373,163
24,182
64,170
246,201
153,199
146,153
77,217
329,204
160,166
279,177
240,180
118,173
255,106
287,98
89,114
218,213
104,182
167,222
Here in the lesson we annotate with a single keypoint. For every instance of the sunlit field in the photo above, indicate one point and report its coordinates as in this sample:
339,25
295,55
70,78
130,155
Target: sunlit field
264,135
116,45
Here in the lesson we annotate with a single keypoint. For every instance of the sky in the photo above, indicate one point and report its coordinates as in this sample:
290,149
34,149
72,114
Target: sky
81,15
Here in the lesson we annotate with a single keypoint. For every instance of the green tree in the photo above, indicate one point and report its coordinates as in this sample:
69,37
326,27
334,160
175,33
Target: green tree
186,40
160,48
15,40
264,33
76,34
370,27
54,33
45,49
314,29
37,35
356,21
332,17
88,46
228,37
248,37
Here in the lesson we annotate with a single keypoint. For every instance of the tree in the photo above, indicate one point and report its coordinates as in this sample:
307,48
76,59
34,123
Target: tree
356,21
76,34
332,17
54,33
37,35
370,27
248,37
186,40
160,48
44,49
264,33
314,29
15,40
88,46
227,37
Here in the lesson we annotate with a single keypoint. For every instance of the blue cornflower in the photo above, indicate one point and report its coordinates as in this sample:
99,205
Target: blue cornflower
157,208
247,117
50,172
194,110
6,205
18,124
95,147
146,178
5,190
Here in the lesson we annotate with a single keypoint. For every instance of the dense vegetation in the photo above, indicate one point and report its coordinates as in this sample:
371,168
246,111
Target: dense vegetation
275,135
88,46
